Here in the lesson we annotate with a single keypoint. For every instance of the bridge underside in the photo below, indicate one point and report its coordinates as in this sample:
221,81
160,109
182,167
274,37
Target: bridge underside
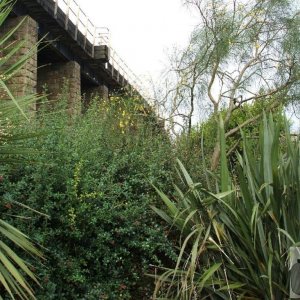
65,64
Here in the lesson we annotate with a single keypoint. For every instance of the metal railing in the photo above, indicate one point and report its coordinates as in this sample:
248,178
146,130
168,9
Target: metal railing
96,36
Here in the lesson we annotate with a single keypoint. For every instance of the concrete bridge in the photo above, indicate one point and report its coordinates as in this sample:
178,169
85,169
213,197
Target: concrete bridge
78,56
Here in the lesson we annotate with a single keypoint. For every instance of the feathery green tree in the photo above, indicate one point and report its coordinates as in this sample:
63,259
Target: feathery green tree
242,51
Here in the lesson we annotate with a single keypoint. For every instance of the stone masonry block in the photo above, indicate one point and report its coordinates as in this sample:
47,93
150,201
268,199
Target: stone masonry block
61,81
24,82
93,92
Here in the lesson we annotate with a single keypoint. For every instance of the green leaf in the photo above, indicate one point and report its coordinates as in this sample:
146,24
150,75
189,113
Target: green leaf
208,274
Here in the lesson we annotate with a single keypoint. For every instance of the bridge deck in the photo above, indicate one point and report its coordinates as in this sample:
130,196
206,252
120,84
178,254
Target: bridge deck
97,61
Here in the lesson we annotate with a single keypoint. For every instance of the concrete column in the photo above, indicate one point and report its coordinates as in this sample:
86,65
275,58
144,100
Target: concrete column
61,81
25,80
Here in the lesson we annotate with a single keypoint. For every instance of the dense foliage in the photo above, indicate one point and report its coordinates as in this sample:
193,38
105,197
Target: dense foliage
235,240
82,185
194,148
92,176
240,52
16,275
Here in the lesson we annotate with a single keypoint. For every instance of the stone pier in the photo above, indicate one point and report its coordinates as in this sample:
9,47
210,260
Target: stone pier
57,79
91,92
24,82
100,91
61,82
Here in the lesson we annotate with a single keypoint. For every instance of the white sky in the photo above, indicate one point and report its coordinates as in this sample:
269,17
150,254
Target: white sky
142,30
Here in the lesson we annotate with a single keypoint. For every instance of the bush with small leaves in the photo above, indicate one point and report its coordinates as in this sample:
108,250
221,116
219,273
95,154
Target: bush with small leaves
92,175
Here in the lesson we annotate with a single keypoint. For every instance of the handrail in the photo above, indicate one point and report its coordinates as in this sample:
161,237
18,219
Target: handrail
96,36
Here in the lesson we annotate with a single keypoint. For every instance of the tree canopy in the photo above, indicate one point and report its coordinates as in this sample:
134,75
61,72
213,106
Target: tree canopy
241,52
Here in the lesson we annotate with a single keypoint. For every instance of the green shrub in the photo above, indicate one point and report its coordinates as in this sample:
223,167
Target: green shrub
92,176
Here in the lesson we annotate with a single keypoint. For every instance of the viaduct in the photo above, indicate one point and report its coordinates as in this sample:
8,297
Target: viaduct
78,55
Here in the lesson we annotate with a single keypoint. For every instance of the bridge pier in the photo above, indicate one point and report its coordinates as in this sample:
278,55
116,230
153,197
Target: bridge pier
100,91
56,80
91,92
70,65
59,81
25,80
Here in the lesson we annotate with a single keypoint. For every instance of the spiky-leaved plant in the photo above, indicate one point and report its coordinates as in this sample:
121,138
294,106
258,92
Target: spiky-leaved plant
234,243
14,270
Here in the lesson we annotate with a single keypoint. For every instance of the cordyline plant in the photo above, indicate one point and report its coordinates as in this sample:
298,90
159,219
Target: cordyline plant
234,243
14,270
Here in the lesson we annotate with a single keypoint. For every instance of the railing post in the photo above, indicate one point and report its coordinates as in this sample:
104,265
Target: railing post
55,8
95,36
118,63
118,76
94,41
112,63
123,80
77,22
67,14
86,31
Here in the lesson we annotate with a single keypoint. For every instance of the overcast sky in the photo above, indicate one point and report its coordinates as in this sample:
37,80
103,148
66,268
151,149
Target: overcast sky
142,30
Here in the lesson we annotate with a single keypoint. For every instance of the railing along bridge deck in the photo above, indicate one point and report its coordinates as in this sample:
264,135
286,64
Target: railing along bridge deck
93,40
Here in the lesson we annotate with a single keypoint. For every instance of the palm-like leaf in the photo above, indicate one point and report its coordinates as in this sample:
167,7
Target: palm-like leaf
12,267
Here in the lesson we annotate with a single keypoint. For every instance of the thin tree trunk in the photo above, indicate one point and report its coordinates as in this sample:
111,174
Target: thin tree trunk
191,111
216,156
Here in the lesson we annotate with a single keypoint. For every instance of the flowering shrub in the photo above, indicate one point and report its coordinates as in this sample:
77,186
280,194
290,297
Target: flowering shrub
92,177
